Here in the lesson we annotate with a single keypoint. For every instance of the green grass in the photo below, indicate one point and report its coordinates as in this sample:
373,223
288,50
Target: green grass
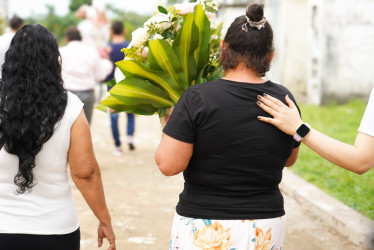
340,122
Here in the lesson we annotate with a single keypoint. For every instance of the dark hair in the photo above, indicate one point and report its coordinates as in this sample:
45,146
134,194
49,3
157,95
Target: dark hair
247,44
16,22
32,98
73,34
117,28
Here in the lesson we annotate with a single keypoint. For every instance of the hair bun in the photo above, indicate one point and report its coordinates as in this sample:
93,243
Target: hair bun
255,12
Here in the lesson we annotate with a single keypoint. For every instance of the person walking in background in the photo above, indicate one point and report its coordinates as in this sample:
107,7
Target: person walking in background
117,44
82,67
357,158
232,164
15,24
94,29
42,129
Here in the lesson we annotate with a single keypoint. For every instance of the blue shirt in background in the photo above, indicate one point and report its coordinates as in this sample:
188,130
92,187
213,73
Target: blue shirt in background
116,55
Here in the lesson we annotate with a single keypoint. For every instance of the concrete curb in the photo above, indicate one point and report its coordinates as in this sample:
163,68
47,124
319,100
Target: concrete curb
356,227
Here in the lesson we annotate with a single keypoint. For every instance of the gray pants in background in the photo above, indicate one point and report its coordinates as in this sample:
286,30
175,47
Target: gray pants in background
88,98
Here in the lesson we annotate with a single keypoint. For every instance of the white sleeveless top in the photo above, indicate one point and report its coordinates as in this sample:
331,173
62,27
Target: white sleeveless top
367,122
50,207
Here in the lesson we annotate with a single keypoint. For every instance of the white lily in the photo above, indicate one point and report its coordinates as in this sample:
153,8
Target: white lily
160,21
139,37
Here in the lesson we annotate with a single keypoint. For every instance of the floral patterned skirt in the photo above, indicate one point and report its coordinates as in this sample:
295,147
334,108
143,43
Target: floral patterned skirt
204,234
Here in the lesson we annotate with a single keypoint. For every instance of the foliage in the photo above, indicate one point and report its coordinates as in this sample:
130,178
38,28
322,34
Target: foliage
58,24
167,55
3,24
55,23
339,122
75,4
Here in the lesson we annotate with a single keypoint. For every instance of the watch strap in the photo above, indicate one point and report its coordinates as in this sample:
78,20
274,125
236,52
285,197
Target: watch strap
297,137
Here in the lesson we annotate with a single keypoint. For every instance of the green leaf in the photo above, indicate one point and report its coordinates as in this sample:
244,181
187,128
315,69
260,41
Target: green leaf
168,34
141,110
217,32
200,76
185,44
117,105
217,74
134,91
203,25
111,83
101,108
162,9
162,57
162,112
132,68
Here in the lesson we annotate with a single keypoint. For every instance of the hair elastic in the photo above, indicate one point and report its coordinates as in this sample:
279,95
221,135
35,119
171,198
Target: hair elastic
244,27
259,25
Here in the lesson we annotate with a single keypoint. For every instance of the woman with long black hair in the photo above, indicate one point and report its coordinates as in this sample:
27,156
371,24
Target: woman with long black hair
42,129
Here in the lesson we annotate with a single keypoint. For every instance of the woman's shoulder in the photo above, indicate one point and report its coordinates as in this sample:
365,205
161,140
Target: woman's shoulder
280,91
73,99
205,85
195,94
74,106
283,89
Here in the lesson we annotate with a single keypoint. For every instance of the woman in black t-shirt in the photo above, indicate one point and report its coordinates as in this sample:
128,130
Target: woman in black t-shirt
231,162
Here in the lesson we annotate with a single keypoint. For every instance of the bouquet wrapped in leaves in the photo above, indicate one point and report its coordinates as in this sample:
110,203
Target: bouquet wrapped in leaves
175,49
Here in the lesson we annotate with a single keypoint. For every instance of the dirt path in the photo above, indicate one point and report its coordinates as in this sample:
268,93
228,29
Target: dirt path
142,201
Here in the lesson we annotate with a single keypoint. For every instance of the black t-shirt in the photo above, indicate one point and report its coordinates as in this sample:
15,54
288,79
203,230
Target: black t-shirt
237,160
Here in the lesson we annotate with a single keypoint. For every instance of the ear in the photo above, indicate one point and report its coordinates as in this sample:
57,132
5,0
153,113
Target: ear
221,44
271,56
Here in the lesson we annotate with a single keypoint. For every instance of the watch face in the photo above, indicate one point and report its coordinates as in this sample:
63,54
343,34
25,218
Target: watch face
303,130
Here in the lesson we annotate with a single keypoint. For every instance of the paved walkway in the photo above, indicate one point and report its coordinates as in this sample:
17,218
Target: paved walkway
142,201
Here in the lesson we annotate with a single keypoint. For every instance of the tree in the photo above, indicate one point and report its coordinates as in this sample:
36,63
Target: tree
75,4
3,24
58,24
55,23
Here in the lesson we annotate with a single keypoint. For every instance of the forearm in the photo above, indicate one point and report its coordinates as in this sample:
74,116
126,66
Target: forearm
358,158
339,153
92,190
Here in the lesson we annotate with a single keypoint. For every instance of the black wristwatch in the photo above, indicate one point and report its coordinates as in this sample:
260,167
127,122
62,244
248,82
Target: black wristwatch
302,132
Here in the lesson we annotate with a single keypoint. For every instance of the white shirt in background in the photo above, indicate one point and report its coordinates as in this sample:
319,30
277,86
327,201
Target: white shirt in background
4,46
50,207
82,66
367,122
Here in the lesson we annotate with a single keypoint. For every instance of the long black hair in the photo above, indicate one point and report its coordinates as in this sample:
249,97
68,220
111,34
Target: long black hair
32,98
247,44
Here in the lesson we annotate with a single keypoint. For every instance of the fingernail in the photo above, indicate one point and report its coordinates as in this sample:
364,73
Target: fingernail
259,117
259,97
259,103
266,94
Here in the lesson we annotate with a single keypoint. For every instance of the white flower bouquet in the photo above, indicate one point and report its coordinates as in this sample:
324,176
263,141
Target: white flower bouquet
174,50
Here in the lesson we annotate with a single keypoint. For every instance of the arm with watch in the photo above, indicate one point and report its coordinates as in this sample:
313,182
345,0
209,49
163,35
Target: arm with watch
357,158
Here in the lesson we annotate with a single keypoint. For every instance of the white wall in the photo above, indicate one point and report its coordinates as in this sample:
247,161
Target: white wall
287,18
324,49
4,9
349,49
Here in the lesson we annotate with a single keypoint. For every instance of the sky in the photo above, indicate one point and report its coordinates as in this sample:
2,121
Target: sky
25,8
